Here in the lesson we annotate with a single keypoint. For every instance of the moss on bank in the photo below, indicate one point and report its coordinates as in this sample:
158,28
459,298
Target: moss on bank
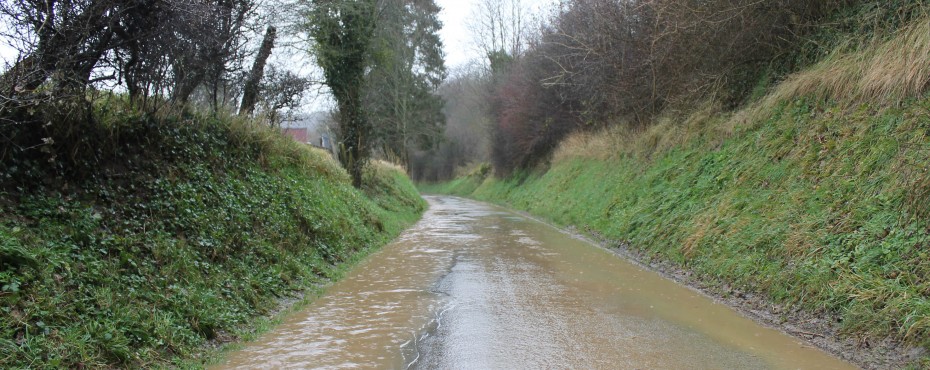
172,232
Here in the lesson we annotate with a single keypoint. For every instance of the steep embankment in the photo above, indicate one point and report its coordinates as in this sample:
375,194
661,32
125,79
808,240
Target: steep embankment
815,196
167,233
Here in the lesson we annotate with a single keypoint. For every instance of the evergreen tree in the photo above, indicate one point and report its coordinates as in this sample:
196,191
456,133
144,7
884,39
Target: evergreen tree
407,68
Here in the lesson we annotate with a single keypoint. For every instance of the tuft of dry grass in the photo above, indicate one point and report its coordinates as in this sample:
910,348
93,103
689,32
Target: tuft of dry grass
274,145
388,165
900,68
473,169
699,229
596,144
669,131
886,73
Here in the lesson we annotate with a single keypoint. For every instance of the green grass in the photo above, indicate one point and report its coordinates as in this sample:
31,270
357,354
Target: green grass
178,233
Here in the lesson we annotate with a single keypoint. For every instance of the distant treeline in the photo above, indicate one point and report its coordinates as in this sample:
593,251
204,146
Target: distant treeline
592,63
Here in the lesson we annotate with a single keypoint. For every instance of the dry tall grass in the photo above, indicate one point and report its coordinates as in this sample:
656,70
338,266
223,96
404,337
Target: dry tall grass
389,165
667,131
884,74
275,145
887,73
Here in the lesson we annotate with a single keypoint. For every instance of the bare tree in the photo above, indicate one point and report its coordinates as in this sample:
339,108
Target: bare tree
280,94
499,26
209,41
600,61
66,40
155,47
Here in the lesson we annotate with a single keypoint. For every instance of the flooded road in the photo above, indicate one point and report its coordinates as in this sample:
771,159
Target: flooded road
473,286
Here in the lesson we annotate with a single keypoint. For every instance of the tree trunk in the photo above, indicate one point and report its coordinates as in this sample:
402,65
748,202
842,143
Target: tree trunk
354,129
250,92
185,84
25,75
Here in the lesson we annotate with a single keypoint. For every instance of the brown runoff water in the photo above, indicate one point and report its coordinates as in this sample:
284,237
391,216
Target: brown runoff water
474,286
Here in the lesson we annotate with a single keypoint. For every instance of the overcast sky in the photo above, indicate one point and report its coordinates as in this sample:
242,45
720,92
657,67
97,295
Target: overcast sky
455,36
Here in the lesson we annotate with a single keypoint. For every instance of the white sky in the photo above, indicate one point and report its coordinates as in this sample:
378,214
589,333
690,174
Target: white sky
456,39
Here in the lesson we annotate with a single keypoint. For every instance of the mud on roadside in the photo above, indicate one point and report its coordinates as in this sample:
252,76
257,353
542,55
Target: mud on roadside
818,329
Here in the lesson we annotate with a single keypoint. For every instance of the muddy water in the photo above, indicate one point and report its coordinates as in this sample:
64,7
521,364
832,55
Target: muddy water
473,286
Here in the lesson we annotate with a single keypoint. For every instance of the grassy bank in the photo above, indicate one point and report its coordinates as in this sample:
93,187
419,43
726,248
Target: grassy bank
815,195
160,234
